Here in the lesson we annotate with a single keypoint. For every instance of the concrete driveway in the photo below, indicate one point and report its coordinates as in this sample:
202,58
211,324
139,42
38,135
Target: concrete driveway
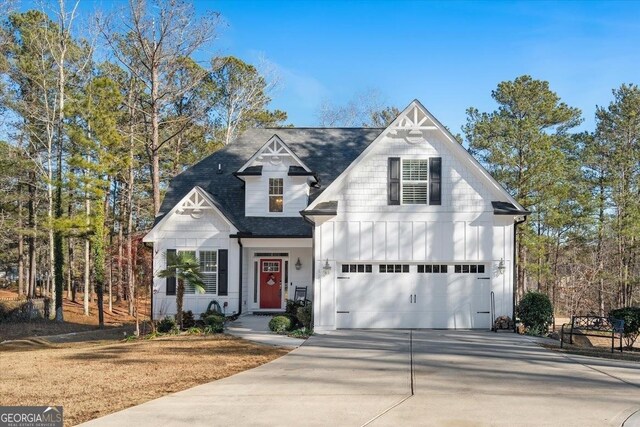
356,378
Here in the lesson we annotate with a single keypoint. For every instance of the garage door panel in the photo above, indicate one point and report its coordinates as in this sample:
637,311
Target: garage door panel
373,293
442,300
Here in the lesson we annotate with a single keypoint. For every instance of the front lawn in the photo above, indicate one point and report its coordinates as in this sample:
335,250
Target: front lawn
94,379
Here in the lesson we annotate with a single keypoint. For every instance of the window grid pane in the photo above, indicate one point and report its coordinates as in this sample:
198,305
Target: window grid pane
415,176
275,186
415,170
414,194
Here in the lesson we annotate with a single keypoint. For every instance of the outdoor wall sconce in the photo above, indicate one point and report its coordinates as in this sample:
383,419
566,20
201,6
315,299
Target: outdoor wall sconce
327,267
501,266
298,264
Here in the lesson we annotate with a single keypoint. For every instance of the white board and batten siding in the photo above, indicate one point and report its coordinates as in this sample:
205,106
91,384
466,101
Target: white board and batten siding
368,230
183,232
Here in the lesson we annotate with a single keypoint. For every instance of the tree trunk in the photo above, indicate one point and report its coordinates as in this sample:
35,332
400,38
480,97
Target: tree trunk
70,292
129,208
21,281
179,301
121,215
99,259
31,240
87,258
599,250
155,139
521,262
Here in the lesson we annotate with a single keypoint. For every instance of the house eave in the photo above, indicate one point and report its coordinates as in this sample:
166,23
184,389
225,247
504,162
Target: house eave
507,208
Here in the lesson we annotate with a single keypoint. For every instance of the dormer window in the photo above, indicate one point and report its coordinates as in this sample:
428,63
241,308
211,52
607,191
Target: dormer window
276,186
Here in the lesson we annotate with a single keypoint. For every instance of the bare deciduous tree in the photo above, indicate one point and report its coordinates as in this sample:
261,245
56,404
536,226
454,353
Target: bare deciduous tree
149,39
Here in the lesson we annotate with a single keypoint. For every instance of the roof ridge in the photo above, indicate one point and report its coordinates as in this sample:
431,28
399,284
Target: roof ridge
321,127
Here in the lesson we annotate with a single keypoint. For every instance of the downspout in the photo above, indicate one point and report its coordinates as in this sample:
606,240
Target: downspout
514,283
240,276
313,274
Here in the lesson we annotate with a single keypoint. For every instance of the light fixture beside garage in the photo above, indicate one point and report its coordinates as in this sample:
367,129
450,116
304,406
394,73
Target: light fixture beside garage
298,264
501,266
326,269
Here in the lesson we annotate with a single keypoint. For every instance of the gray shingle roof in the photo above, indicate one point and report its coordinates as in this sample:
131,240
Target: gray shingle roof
326,151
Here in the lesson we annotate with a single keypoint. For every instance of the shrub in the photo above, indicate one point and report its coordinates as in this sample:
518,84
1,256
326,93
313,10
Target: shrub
535,311
188,321
631,317
166,325
214,323
304,315
280,324
194,330
301,333
292,307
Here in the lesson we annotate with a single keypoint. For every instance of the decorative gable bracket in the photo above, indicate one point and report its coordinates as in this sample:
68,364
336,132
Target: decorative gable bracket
412,124
274,151
194,204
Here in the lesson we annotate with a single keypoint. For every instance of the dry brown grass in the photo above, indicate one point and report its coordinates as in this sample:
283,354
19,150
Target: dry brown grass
74,319
94,379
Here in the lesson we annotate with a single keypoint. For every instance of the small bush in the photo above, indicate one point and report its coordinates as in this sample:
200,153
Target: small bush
631,317
214,323
301,333
194,330
304,315
536,312
280,324
188,321
292,307
166,325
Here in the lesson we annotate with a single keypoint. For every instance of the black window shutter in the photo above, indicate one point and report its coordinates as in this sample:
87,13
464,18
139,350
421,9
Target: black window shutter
394,181
171,281
435,180
223,275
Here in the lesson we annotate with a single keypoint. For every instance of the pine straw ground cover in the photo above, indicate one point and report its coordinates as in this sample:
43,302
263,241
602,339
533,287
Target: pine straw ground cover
94,379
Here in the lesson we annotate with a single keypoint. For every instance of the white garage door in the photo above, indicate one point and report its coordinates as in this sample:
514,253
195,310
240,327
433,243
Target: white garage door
453,296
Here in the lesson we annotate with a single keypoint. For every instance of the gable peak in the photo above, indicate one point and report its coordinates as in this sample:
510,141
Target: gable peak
194,203
274,151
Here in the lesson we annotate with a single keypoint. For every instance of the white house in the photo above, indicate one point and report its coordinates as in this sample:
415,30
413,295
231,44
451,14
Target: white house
385,228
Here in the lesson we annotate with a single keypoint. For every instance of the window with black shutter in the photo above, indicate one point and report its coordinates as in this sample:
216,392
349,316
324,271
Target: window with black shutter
223,277
170,281
435,180
394,181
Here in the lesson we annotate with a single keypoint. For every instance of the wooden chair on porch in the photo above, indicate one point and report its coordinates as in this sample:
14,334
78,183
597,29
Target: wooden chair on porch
300,294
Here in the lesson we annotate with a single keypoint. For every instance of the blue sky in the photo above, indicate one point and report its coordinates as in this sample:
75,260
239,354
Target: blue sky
449,55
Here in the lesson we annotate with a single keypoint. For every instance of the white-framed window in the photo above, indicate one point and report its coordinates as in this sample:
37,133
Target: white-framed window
208,260
415,181
276,191
209,270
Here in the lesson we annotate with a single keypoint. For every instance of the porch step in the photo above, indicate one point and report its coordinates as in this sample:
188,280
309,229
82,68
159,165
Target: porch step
266,313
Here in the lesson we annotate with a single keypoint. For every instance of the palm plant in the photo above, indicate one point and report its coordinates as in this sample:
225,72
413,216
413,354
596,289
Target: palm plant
186,269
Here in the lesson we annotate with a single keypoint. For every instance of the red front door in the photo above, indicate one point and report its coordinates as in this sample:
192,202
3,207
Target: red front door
270,283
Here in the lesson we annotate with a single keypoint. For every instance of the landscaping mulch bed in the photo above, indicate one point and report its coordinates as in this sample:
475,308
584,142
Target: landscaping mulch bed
97,378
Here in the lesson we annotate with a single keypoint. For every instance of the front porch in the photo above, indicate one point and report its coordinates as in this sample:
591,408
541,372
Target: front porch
272,271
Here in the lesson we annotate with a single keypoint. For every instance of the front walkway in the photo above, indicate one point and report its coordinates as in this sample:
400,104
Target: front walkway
357,378
256,328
